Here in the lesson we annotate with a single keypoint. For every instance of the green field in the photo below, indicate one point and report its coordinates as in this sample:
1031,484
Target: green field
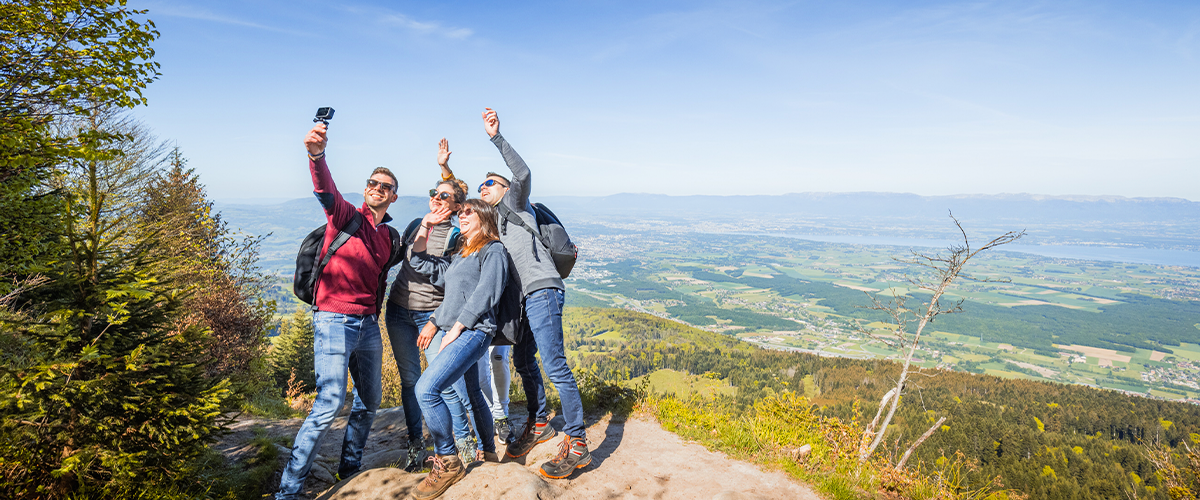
795,294
684,384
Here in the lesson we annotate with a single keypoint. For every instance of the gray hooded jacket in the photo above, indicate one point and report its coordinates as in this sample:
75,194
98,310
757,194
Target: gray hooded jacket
534,268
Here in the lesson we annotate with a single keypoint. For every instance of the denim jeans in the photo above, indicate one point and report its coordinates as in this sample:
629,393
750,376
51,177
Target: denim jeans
341,342
458,361
544,333
403,327
494,379
455,396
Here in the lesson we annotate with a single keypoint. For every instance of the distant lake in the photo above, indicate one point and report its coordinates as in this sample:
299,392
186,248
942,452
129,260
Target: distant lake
1081,252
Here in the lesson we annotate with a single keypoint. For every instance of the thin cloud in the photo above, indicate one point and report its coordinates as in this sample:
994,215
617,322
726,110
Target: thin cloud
426,28
189,12
400,20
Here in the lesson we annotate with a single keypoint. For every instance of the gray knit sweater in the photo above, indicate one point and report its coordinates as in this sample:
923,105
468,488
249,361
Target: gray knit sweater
411,290
531,259
473,286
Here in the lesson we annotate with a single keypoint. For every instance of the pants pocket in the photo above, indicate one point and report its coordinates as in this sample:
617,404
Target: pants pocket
329,334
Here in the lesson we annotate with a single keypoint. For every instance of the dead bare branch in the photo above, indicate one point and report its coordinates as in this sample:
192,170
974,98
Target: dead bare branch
945,269
935,427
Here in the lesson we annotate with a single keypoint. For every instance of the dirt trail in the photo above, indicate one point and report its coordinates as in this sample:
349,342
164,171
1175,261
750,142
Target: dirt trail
634,458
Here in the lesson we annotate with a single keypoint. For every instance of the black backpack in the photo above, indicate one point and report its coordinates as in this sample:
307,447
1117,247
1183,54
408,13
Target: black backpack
308,268
550,232
509,311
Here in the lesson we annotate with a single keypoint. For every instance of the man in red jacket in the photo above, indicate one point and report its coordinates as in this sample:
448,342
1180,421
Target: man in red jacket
346,323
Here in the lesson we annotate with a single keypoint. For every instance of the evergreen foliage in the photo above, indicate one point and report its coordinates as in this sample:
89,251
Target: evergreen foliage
293,351
62,58
106,389
102,394
201,254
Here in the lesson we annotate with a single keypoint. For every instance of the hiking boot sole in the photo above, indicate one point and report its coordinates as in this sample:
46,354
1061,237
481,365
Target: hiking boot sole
417,495
572,471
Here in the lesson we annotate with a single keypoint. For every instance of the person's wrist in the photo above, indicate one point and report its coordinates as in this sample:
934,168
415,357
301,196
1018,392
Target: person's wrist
316,156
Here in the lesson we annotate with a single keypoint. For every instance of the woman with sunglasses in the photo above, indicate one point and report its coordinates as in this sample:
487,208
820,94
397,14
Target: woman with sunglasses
474,279
412,300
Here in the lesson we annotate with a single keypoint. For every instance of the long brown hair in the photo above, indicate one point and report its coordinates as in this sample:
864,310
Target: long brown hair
488,230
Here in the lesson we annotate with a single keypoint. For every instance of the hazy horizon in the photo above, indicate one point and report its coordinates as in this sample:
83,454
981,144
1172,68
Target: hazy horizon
1070,197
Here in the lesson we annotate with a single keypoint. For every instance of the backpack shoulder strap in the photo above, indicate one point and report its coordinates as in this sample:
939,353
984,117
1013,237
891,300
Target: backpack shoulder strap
342,237
509,215
411,231
398,245
452,240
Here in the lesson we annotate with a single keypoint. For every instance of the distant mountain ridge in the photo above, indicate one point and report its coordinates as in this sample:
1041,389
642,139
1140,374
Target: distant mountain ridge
878,204
1149,222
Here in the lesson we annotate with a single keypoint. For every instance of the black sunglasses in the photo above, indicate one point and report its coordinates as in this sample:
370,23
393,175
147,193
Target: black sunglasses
490,183
372,183
433,193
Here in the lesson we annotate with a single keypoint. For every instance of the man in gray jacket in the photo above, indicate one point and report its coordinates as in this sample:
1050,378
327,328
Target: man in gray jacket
543,291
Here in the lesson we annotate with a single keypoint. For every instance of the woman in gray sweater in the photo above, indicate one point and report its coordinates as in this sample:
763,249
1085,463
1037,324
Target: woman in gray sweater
473,280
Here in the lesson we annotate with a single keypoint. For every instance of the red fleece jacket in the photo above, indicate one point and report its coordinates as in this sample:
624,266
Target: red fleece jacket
349,281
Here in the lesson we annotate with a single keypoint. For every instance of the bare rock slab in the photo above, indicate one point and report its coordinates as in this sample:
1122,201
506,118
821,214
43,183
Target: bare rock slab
483,482
508,481
375,484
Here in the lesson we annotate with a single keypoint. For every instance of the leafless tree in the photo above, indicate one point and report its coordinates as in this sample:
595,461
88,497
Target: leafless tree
941,270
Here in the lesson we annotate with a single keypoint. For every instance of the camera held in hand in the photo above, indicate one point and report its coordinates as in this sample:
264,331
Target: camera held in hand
324,115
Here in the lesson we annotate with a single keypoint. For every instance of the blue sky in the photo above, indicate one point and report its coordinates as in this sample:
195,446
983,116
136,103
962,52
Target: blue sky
1061,97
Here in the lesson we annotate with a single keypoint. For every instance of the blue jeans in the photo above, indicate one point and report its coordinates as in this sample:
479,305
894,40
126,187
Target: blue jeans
495,377
544,333
403,327
341,342
455,396
458,361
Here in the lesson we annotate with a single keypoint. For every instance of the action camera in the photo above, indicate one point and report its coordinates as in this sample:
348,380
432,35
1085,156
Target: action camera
324,115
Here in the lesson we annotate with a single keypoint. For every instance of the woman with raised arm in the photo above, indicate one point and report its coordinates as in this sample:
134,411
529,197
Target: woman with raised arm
410,304
473,279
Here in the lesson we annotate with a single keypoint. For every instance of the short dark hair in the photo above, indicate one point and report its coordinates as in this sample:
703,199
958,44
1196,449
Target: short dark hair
385,171
493,174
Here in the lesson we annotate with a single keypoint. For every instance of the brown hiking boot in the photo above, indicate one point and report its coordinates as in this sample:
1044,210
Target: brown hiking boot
572,454
447,470
535,432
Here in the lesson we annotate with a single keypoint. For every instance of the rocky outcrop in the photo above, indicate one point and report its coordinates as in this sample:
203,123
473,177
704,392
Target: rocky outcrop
630,459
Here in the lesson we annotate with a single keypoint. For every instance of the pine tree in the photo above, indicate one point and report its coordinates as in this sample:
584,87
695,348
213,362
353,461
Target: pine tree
100,393
198,251
293,350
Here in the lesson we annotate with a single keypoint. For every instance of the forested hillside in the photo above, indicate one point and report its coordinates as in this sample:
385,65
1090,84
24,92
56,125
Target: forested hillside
1052,441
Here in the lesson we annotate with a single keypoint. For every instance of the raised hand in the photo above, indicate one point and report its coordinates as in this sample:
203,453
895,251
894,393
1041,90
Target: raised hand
316,139
491,122
444,152
436,217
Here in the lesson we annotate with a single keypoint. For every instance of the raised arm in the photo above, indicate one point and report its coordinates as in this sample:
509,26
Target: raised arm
421,261
337,210
431,219
518,190
444,159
